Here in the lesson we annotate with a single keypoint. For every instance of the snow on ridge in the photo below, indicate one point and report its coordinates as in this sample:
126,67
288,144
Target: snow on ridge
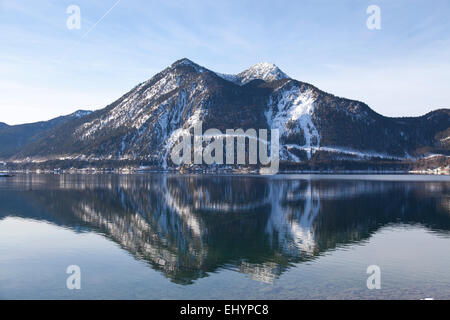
230,77
262,71
81,113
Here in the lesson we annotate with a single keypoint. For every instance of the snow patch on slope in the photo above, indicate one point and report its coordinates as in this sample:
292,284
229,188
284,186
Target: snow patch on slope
290,111
345,151
176,135
133,109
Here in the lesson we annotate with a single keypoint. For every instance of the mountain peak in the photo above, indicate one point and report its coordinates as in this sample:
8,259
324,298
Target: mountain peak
263,70
183,61
264,65
189,63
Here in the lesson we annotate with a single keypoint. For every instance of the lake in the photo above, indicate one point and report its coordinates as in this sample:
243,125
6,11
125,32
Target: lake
162,236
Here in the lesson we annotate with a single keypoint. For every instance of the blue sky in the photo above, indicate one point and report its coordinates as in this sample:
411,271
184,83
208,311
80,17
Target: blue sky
48,70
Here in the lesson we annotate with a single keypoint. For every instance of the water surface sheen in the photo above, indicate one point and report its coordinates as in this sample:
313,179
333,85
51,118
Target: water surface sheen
162,236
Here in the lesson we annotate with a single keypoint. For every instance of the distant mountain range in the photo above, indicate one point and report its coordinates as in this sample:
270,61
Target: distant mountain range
14,138
318,130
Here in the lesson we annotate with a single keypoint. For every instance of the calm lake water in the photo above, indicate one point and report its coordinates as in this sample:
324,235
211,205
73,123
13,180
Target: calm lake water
224,237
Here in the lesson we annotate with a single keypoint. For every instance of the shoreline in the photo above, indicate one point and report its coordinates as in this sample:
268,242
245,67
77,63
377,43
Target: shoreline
436,172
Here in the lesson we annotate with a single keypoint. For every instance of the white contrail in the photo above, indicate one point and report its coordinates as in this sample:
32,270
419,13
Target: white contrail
90,29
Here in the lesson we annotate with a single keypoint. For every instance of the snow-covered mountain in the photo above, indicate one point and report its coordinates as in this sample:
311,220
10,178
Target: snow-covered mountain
145,123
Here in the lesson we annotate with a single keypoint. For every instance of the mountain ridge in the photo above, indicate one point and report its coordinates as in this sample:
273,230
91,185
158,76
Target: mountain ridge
14,137
145,123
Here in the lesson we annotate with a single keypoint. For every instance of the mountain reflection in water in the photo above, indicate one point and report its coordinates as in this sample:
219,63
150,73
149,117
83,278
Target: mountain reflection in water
187,226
